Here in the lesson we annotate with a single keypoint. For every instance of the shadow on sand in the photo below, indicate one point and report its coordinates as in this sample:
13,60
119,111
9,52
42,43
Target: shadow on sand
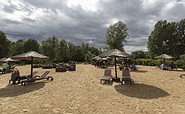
15,90
141,91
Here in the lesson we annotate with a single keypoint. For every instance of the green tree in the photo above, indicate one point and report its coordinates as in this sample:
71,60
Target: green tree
139,54
72,50
50,48
78,54
94,51
167,37
179,45
5,45
17,47
88,57
115,35
63,51
31,45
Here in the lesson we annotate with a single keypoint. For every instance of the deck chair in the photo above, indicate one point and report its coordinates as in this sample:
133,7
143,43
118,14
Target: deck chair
106,77
126,78
37,77
13,79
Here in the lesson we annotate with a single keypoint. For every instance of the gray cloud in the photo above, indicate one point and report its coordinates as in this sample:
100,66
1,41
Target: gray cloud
40,20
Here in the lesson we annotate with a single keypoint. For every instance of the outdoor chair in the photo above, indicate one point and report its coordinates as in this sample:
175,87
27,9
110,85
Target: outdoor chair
37,77
18,78
165,67
126,78
106,77
72,67
48,66
61,69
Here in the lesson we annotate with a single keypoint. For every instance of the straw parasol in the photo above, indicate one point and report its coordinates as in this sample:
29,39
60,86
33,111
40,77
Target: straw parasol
7,59
114,53
96,58
31,55
164,56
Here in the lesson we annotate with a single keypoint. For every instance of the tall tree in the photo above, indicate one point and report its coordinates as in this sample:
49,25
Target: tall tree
31,45
50,48
179,47
5,45
63,51
115,35
167,37
17,47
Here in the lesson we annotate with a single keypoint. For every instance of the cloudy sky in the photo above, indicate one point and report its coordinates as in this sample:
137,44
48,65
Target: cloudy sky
86,20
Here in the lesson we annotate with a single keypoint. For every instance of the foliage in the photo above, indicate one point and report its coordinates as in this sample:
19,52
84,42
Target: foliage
139,54
167,37
151,62
17,47
49,47
5,45
115,35
31,45
62,51
180,64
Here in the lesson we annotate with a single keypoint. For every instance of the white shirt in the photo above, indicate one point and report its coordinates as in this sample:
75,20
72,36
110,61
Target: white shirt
5,65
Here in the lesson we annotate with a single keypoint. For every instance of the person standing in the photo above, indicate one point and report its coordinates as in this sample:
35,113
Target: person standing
5,67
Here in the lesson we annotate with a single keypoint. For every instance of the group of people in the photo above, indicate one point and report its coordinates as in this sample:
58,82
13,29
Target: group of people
127,63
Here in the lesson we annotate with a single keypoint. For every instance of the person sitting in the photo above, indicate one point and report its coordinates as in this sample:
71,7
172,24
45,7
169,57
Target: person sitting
5,67
165,67
16,76
133,66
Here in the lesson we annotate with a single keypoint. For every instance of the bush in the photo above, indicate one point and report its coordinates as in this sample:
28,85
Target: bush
147,62
180,64
157,62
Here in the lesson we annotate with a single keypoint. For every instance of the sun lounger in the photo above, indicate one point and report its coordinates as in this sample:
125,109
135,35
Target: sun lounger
15,79
106,77
37,77
61,69
126,78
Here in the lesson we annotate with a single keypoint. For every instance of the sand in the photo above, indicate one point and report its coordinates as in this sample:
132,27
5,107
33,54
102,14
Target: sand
155,91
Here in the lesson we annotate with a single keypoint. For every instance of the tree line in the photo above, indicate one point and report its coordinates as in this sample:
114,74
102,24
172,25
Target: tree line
57,50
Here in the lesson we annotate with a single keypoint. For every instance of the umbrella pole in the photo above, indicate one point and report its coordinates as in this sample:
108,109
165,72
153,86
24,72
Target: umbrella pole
9,64
115,67
31,67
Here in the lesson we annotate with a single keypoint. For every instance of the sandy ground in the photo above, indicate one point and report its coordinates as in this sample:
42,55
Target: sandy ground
79,92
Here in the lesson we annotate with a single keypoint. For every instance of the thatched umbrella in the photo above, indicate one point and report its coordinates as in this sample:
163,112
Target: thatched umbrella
164,56
7,60
31,55
114,53
96,58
